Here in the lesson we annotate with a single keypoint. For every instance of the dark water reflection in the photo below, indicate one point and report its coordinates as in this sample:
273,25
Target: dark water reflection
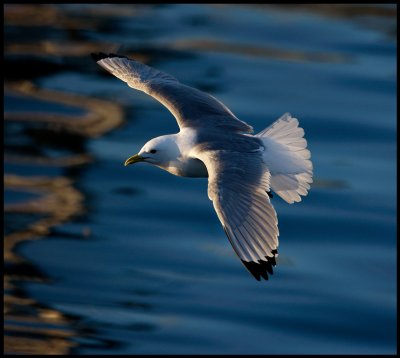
100,258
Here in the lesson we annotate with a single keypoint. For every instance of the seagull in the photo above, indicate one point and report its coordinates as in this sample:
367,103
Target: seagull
241,167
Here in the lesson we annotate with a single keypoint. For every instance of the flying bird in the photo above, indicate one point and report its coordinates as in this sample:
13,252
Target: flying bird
242,168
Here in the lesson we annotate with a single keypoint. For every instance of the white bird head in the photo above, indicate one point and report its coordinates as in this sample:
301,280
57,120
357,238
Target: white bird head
158,151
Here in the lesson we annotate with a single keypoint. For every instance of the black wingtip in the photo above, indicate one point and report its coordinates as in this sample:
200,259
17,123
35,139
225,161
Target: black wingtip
255,269
98,56
266,265
101,55
261,268
272,260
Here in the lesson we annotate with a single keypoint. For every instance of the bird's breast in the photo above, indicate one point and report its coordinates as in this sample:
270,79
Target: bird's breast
188,167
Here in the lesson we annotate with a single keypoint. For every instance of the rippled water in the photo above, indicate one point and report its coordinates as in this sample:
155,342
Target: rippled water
100,258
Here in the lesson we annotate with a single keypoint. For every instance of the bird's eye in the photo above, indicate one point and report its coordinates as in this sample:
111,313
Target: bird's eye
153,151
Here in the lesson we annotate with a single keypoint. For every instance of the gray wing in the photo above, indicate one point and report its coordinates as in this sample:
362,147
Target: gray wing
190,107
237,186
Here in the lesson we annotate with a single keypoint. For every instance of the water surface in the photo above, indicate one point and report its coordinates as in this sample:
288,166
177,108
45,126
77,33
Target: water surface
101,258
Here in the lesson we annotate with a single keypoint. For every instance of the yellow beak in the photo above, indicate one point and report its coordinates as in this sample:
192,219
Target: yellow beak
134,159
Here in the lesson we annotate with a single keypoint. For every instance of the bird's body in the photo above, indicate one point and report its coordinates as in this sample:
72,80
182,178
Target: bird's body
241,167
181,155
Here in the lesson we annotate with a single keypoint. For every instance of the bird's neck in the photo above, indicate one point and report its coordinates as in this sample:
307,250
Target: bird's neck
179,161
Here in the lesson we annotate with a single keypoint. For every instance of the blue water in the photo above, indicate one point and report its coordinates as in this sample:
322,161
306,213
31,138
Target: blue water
157,275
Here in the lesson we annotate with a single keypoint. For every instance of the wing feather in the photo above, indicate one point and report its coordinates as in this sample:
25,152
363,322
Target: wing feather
191,107
237,186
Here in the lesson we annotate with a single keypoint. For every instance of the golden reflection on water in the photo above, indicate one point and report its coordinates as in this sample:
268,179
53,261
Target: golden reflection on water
59,201
30,326
101,116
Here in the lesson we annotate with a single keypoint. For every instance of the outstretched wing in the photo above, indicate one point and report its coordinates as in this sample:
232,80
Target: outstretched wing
191,107
237,185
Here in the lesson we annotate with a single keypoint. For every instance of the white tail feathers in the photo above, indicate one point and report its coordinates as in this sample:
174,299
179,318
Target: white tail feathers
287,158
